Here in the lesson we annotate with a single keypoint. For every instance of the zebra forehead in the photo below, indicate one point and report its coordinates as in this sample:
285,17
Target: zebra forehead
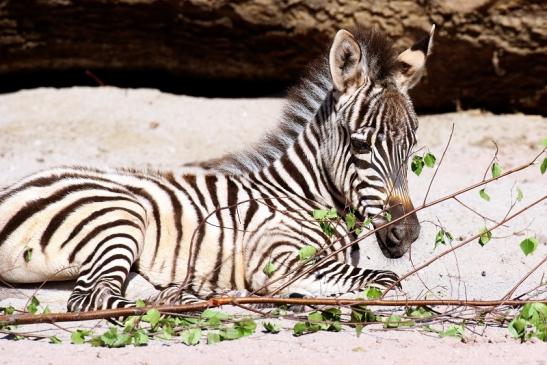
389,113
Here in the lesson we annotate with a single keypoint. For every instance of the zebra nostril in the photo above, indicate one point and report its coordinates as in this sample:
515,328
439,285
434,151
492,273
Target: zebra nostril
398,233
393,237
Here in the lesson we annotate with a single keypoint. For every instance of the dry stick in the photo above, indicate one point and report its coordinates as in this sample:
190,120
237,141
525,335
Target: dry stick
476,212
427,205
438,165
512,291
20,319
429,262
493,159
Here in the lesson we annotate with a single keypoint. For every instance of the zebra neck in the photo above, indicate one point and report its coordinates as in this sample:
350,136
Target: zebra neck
303,170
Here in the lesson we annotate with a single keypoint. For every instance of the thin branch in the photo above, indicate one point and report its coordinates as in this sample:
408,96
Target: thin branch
20,319
512,291
438,165
493,160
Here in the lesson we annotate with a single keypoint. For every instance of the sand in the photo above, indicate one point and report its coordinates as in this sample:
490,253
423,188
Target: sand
142,128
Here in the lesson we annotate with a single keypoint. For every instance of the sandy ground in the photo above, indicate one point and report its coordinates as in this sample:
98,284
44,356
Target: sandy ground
145,128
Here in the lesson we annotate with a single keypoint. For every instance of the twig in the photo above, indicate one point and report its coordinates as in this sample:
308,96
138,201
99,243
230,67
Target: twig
512,291
493,160
20,319
438,165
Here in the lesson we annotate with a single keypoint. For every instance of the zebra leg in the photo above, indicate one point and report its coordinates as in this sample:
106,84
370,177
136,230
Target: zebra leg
173,294
103,274
334,278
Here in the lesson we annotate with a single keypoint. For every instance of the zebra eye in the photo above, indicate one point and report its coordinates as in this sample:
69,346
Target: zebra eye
359,145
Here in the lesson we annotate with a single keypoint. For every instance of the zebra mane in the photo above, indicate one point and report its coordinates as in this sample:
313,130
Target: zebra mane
304,101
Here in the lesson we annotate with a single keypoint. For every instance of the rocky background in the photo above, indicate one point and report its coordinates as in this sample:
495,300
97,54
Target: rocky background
490,54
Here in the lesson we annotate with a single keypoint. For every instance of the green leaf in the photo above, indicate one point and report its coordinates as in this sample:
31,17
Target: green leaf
529,245
417,165
367,223
373,293
46,310
306,252
191,336
540,308
419,312
152,316
332,314
394,321
140,338
351,221
332,214
32,307
484,195
299,328
8,310
322,214
429,159
212,338
335,327
269,269
246,327
517,327
315,317
78,337
496,170
441,236
27,254
270,327
96,341
543,166
140,303
55,340
230,333
112,338
519,195
216,314
130,323
485,237
319,214
362,314
388,216
452,331
167,332
327,228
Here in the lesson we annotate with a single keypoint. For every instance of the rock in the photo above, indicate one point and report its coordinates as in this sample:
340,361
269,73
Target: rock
488,54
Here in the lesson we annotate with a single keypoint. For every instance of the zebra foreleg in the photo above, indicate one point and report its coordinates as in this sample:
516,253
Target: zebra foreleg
334,278
173,294
103,274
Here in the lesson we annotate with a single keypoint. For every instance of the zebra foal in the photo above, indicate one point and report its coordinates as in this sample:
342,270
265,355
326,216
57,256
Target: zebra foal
343,142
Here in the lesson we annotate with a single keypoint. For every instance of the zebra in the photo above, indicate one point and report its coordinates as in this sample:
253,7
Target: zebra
343,141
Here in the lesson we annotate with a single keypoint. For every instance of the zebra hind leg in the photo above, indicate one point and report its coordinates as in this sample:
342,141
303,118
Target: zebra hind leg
103,274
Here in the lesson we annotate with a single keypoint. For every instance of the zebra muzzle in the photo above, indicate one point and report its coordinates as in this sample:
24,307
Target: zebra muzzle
395,239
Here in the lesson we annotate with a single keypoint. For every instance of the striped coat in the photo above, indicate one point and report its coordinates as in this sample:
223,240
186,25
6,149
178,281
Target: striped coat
211,228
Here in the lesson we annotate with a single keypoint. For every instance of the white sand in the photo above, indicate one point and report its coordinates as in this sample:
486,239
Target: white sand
145,128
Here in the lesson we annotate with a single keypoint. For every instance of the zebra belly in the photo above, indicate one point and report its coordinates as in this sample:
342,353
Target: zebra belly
216,257
49,228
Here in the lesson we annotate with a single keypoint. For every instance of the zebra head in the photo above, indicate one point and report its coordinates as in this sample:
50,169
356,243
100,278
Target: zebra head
377,124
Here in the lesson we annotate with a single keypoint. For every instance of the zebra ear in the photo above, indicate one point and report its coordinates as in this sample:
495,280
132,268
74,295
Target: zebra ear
345,63
412,61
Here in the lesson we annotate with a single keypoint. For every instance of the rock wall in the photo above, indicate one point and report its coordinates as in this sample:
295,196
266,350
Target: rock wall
489,53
